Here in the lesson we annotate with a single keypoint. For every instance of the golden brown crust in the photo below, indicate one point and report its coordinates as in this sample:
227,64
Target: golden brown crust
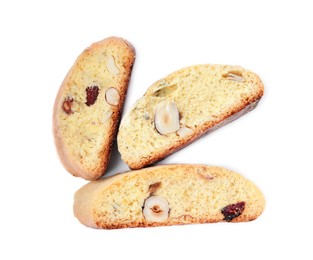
89,198
67,160
187,219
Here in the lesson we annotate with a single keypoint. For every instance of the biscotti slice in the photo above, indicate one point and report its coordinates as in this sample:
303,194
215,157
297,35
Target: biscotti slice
88,106
183,106
168,195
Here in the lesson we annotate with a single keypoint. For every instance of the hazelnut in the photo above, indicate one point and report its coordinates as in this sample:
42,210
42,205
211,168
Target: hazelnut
166,118
67,105
156,209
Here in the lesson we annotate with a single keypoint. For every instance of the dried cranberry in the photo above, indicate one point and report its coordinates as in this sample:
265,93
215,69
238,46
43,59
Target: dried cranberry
92,94
233,210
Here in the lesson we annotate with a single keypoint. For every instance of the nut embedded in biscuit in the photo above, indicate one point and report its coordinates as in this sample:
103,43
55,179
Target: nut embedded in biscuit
156,209
112,96
111,66
67,106
234,76
154,187
166,118
184,131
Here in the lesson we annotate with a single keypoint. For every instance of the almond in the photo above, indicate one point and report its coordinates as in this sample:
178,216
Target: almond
112,96
111,66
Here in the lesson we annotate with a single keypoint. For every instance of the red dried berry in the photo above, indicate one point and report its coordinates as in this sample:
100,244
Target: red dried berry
233,210
67,105
92,93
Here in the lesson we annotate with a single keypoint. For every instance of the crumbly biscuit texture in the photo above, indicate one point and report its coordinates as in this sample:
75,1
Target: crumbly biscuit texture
168,195
89,104
183,106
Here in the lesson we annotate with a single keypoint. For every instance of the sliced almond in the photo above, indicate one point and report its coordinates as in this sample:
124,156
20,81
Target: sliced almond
166,118
156,209
112,96
235,76
111,66
184,131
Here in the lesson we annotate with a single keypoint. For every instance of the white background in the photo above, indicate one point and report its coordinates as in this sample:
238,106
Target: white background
272,145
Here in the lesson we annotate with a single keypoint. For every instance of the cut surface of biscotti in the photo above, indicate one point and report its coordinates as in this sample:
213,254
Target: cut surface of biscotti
168,195
89,104
183,106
